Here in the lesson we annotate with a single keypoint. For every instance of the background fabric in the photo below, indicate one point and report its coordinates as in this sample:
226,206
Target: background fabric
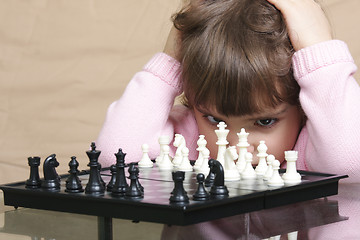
63,62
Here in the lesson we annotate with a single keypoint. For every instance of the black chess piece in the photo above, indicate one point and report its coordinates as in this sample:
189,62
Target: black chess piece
133,165
101,180
134,191
73,183
178,194
201,194
112,181
51,180
120,187
209,181
218,189
34,179
95,184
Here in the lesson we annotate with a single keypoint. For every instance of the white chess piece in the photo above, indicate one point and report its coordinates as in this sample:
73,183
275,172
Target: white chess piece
145,161
204,169
292,235
262,166
201,145
276,180
185,165
291,176
221,133
163,140
249,171
231,173
180,143
242,145
166,163
269,171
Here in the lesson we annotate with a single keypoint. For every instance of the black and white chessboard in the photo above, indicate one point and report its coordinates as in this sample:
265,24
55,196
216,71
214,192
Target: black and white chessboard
244,196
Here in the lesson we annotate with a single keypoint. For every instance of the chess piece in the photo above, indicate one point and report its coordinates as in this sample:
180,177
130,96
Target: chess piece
131,168
95,184
291,176
221,133
242,145
178,194
120,187
249,172
73,183
145,161
209,181
134,190
218,189
51,180
204,169
201,194
230,169
166,163
201,145
163,141
112,181
269,171
185,165
262,166
34,179
276,180
180,143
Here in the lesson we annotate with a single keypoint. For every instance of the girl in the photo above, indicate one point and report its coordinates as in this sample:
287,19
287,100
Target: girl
270,67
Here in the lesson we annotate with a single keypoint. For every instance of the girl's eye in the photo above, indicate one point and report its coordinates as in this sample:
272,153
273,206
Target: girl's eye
268,122
212,119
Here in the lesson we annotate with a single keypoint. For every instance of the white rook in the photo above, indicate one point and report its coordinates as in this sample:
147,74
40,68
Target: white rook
291,176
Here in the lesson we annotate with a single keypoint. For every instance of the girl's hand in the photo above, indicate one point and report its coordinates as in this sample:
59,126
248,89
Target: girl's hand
305,20
172,43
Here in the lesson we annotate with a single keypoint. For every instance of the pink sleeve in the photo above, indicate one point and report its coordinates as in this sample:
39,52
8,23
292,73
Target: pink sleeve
330,97
141,114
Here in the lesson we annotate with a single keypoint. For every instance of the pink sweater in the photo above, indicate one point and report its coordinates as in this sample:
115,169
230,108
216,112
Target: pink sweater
329,142
330,97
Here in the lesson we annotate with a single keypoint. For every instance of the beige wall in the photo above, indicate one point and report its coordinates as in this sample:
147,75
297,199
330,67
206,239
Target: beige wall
63,62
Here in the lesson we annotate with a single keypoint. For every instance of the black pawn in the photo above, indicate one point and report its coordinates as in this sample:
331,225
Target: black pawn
112,181
120,187
134,192
73,183
101,180
178,194
201,194
34,179
133,165
95,184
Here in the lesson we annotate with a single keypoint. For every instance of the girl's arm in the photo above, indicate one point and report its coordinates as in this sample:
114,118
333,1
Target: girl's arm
329,94
141,115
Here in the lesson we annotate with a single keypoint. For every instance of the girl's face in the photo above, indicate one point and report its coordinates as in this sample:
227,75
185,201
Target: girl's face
279,127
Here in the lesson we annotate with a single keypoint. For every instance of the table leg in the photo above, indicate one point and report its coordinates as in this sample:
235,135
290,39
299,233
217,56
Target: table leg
105,228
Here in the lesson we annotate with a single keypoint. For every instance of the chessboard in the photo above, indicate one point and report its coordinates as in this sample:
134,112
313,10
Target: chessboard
154,205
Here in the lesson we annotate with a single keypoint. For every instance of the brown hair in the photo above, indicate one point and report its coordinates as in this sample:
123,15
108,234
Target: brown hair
236,56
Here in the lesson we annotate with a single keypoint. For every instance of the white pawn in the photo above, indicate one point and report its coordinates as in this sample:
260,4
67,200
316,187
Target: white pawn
204,169
166,163
221,133
185,165
163,140
145,161
242,145
269,171
230,171
201,145
249,171
291,176
262,166
276,180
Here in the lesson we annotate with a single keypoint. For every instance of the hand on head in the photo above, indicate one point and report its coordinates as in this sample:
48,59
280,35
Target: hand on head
305,20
